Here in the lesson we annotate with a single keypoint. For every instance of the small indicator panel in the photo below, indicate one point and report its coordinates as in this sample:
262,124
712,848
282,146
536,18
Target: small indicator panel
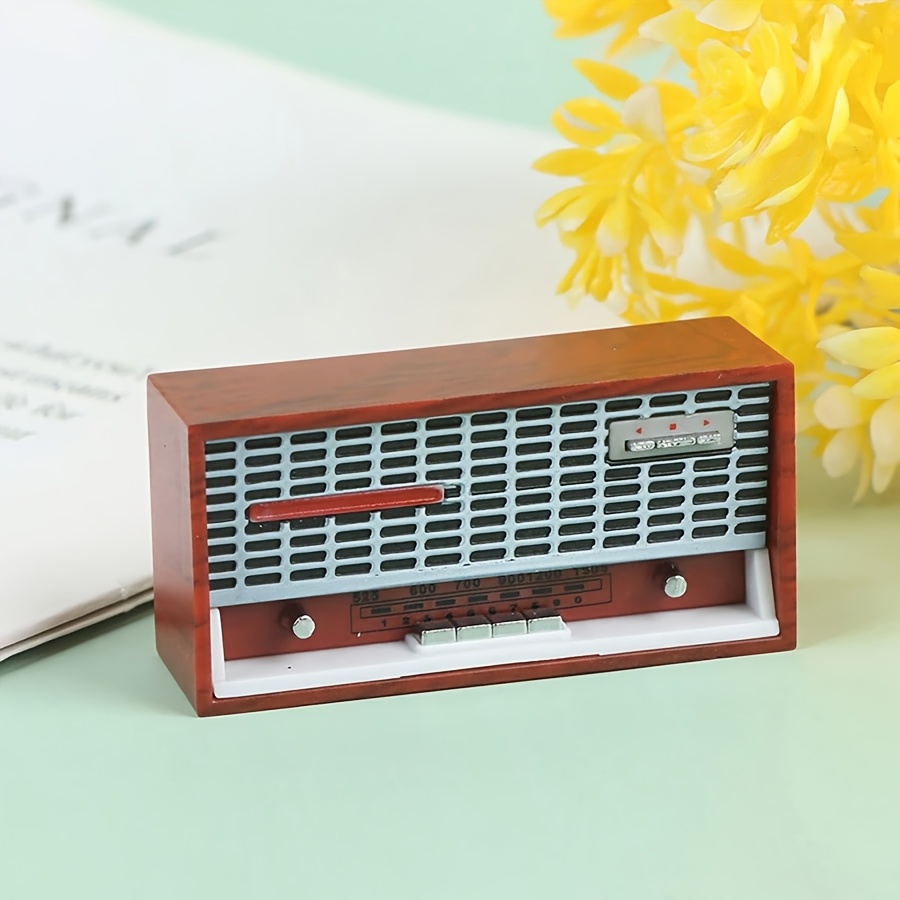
650,438
569,589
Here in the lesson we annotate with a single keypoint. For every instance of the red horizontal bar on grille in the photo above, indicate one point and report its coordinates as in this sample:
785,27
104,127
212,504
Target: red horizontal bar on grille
349,502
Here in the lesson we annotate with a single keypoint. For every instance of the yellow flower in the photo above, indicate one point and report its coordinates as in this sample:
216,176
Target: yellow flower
777,132
780,298
869,295
794,108
690,22
580,17
866,414
730,15
878,244
876,349
846,445
635,195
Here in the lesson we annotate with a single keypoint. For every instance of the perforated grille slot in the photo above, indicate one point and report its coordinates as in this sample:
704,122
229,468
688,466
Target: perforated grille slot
524,488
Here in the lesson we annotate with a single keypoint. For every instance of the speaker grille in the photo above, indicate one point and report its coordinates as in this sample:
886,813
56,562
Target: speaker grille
525,489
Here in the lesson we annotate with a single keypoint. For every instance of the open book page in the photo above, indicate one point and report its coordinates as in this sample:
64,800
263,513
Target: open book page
166,203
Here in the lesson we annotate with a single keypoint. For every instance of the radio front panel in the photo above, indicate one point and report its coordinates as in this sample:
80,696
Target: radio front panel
418,520
522,488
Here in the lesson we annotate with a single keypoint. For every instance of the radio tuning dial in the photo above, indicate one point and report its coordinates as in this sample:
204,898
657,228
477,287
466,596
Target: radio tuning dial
676,585
299,624
670,579
303,627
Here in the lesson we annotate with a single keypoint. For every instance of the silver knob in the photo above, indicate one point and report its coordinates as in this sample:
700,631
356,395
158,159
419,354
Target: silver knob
675,586
303,627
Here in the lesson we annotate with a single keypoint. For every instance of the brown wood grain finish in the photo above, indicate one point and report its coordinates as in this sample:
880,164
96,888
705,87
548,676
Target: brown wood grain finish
173,547
187,409
463,377
782,531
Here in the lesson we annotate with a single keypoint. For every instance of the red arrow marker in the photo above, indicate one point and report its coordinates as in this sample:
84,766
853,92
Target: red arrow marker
706,421
638,430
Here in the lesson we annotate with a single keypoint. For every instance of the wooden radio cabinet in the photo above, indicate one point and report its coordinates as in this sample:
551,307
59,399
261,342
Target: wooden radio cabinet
330,529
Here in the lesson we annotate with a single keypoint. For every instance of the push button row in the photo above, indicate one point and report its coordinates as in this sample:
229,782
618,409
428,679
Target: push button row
477,628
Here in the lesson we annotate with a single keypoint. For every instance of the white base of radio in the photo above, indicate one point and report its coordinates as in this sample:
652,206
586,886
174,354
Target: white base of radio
594,637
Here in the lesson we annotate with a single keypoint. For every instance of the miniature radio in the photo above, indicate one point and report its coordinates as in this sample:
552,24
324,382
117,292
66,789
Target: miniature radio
331,529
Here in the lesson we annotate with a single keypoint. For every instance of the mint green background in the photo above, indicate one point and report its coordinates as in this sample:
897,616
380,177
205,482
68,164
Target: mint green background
493,58
770,777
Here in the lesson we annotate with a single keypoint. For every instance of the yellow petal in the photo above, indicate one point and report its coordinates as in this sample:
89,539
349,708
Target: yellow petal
772,89
610,171
848,183
884,431
588,271
805,418
786,194
837,407
693,175
587,136
592,112
736,134
888,166
577,29
583,253
770,42
577,17
677,27
854,144
823,39
734,259
838,265
789,209
786,135
841,453
721,65
890,110
568,9
840,117
567,162
609,80
881,384
612,233
601,282
752,314
885,286
663,229
642,112
865,475
874,249
777,178
890,65
882,476
730,15
866,348
674,99
554,205
666,284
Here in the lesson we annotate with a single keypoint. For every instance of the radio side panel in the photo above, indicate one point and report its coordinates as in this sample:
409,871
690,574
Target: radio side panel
781,538
173,546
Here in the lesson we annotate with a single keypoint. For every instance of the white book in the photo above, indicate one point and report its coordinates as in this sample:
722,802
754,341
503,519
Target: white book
166,203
